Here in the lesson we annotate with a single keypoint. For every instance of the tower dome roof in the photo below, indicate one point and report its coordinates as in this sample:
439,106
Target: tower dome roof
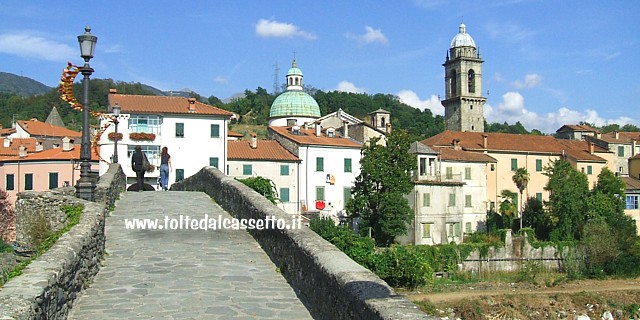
294,103
462,39
294,69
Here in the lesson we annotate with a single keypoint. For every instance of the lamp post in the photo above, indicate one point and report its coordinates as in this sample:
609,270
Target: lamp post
116,114
86,185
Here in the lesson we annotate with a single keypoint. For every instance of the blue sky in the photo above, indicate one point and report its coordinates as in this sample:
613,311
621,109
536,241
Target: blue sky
547,63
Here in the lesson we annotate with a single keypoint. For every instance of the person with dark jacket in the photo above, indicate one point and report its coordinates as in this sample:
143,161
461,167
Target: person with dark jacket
137,160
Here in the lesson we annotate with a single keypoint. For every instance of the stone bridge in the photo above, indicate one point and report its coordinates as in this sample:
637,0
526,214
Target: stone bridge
102,269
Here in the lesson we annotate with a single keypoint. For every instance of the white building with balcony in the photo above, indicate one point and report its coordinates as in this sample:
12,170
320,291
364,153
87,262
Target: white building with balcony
194,133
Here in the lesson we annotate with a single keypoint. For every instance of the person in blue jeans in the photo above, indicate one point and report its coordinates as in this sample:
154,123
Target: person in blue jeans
165,168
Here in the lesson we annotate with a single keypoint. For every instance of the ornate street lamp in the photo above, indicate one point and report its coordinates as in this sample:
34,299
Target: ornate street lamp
116,114
86,185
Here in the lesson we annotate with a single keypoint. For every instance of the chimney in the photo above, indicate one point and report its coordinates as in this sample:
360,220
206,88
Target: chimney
254,141
192,105
592,148
456,144
318,129
22,151
616,135
39,146
345,129
7,142
598,135
484,141
66,144
114,90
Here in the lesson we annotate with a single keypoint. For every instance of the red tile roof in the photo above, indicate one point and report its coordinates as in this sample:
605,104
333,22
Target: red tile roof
631,183
14,147
159,104
308,137
576,127
234,134
7,131
265,150
507,142
623,137
446,153
52,154
39,128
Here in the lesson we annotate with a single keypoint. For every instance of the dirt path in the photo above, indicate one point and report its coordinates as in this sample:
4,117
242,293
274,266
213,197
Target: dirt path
513,289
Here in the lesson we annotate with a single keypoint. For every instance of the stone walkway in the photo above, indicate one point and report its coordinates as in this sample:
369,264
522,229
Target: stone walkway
183,274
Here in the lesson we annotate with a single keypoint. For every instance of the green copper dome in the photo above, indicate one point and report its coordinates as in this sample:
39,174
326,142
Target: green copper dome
294,103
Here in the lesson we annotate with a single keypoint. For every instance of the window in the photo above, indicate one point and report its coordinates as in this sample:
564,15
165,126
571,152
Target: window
454,84
589,170
426,200
213,161
319,193
423,166
426,230
454,229
467,227
10,182
347,164
467,201
457,229
538,165
449,174
53,180
467,173
320,164
152,152
284,194
215,131
144,123
28,181
346,194
179,175
620,151
539,196
514,164
493,167
179,130
472,81
284,169
632,202
247,169
452,200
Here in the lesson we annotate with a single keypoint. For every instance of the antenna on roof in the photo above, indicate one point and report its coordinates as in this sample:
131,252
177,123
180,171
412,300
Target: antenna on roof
276,83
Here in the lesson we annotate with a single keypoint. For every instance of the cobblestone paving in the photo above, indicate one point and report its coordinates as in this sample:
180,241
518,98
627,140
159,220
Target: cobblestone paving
183,274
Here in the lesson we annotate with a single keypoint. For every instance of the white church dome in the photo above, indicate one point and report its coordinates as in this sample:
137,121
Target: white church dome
462,39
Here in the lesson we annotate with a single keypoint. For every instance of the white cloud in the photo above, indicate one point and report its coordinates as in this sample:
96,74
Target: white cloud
29,46
370,36
512,109
221,80
411,98
509,32
429,4
272,28
531,80
346,86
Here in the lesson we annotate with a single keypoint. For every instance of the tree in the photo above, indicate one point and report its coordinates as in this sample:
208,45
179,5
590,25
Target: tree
521,179
508,207
537,218
378,194
567,207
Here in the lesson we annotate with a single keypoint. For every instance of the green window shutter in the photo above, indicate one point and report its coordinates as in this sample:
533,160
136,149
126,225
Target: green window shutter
28,181
467,227
319,164
589,170
347,165
215,131
10,182
284,194
538,165
426,199
284,169
449,173
514,164
213,161
53,180
247,169
467,173
319,193
179,130
452,200
426,230
346,193
467,201
457,228
539,196
620,151
179,175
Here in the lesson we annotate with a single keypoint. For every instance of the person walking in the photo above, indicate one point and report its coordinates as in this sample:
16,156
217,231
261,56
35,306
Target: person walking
165,168
137,164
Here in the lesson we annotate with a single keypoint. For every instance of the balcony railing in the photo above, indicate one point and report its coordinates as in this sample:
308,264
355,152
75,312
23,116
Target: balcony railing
155,129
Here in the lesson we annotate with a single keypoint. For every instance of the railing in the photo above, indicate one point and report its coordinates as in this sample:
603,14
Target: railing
155,129
439,177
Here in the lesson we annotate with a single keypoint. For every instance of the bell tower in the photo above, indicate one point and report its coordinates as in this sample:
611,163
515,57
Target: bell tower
463,103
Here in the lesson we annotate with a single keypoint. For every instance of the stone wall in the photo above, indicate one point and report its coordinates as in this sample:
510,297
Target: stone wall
329,282
49,285
516,253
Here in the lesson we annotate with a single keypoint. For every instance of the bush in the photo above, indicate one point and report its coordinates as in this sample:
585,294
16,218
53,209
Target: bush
263,186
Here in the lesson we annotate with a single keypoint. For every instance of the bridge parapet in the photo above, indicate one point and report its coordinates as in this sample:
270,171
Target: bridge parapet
327,280
49,285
